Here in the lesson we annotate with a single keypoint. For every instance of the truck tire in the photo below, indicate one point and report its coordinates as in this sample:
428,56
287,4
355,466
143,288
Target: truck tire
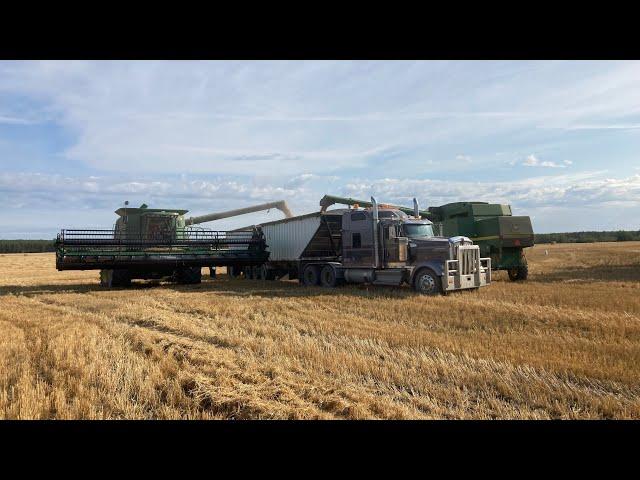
189,275
311,275
328,277
518,273
427,282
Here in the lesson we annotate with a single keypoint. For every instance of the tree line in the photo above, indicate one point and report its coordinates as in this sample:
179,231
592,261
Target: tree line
26,246
588,237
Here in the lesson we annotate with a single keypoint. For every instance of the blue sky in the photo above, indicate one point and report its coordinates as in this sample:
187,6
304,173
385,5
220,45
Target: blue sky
558,140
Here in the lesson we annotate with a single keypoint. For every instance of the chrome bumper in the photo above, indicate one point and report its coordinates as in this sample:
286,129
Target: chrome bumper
468,270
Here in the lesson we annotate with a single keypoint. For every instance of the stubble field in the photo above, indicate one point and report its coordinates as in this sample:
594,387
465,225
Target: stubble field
564,344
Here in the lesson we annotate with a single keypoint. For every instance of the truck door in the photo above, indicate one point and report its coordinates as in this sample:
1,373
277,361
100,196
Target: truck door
395,246
357,239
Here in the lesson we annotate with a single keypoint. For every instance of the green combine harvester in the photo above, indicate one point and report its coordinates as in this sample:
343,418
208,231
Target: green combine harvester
500,235
153,243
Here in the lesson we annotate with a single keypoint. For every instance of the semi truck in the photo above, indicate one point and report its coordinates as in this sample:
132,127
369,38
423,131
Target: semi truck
499,234
379,245
153,243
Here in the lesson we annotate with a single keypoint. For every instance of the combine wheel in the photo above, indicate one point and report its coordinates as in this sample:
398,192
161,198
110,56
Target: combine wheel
328,277
115,278
189,275
311,275
518,273
427,282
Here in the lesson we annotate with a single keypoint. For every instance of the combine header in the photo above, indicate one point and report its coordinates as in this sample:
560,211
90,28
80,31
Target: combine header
160,243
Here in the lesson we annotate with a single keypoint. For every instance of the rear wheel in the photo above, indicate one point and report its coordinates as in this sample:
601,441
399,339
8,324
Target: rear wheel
427,282
311,275
328,277
518,273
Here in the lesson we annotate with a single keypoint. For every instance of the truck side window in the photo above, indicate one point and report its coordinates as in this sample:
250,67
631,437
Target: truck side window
358,216
356,241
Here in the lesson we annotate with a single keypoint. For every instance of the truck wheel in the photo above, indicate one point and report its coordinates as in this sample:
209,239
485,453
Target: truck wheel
427,282
518,273
311,275
328,277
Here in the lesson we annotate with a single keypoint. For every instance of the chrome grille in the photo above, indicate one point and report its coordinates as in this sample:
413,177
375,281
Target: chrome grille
468,258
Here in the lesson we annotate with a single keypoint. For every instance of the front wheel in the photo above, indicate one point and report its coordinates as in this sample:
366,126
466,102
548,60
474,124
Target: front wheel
518,273
115,278
427,282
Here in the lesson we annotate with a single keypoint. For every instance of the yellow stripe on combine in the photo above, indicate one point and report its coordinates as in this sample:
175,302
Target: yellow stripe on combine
492,237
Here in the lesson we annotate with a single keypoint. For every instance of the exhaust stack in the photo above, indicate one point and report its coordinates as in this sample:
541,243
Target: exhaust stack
375,232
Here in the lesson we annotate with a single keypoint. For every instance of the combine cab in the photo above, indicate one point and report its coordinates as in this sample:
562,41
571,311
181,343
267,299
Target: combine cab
160,244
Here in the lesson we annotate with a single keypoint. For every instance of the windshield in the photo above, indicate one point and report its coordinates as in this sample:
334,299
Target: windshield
418,230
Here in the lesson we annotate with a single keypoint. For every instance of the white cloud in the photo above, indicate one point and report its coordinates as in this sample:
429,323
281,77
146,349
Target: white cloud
532,161
463,158
59,201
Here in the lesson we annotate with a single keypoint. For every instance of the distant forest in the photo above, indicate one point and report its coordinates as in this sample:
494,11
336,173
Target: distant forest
38,246
587,237
26,246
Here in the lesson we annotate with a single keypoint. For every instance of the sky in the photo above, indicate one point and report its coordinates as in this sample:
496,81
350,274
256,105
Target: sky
557,140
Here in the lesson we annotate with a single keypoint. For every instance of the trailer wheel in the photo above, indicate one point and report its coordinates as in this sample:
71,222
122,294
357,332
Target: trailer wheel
518,273
328,277
311,275
265,273
427,282
249,273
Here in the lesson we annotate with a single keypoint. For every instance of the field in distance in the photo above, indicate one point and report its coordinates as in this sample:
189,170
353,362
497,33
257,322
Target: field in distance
564,344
